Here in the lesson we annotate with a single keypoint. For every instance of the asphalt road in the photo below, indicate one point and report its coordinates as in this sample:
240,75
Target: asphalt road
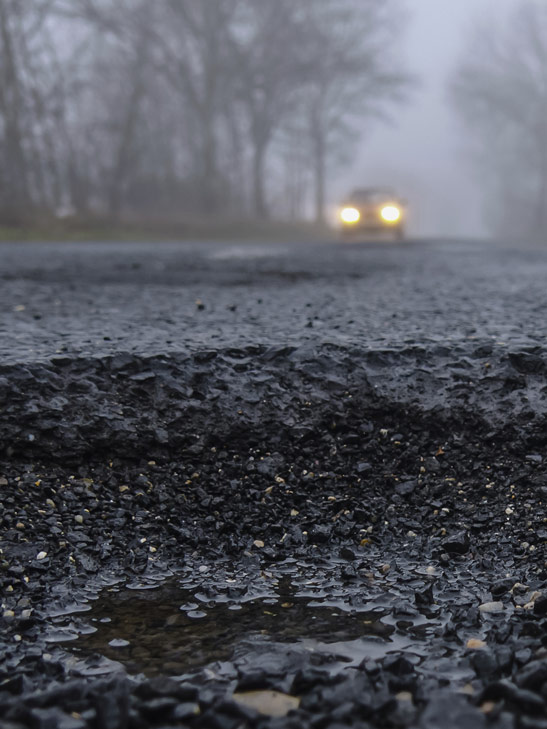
348,434
422,316
87,299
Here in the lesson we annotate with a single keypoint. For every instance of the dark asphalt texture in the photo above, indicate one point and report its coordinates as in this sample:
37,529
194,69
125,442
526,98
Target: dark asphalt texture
442,304
362,426
90,300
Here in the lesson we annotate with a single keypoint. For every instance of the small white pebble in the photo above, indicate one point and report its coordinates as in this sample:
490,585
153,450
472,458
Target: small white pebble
509,511
403,696
118,643
491,607
41,555
474,644
79,519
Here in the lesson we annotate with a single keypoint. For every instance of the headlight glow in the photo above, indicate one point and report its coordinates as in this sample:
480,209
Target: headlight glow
391,213
350,215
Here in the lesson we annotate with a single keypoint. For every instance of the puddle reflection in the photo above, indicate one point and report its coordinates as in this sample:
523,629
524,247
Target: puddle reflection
171,630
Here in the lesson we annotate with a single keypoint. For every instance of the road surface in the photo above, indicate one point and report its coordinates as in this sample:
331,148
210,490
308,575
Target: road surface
317,470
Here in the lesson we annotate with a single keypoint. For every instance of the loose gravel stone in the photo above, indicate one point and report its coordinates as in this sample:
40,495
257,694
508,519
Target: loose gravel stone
492,607
386,463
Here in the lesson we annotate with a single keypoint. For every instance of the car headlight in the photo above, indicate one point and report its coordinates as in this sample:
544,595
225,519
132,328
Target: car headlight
391,213
350,215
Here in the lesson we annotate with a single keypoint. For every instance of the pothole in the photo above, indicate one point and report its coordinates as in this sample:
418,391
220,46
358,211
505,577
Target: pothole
171,630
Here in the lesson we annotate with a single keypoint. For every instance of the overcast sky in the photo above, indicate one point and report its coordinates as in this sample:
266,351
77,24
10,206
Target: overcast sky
421,153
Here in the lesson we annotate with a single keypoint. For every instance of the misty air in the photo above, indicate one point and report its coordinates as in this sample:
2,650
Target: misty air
273,399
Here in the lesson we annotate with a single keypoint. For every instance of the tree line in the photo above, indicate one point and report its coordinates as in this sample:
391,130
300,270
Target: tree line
499,90
238,108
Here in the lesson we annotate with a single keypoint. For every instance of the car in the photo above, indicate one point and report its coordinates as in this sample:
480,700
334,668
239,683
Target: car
373,211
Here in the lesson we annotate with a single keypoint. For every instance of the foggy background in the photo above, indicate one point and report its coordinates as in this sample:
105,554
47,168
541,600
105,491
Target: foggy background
184,112
423,152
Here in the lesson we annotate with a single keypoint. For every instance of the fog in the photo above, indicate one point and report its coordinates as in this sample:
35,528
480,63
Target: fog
422,152
182,113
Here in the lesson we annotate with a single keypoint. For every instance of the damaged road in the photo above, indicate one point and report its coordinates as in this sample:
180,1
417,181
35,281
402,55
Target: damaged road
264,486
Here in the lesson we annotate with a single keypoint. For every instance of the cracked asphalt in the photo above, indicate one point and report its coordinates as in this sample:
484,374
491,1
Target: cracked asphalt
86,299
270,428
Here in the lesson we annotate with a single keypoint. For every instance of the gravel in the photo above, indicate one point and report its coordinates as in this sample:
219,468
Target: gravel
365,422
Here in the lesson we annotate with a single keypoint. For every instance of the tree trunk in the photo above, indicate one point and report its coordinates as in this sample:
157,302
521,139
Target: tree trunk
259,191
16,196
209,156
541,214
318,132
123,159
320,174
78,185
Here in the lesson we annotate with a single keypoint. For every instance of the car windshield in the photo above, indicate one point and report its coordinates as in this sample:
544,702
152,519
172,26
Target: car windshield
370,197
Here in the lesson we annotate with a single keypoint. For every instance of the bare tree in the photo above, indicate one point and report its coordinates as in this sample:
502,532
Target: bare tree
117,68
356,75
22,103
269,68
117,108
500,93
193,45
136,84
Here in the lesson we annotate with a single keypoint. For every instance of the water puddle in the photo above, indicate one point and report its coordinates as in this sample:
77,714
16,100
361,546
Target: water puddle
171,630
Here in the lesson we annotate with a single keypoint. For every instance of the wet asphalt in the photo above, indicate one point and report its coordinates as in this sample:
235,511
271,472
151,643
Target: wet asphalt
99,299
258,428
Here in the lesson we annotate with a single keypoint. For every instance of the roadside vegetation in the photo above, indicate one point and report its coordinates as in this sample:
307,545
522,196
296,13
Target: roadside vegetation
127,110
77,230
499,90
